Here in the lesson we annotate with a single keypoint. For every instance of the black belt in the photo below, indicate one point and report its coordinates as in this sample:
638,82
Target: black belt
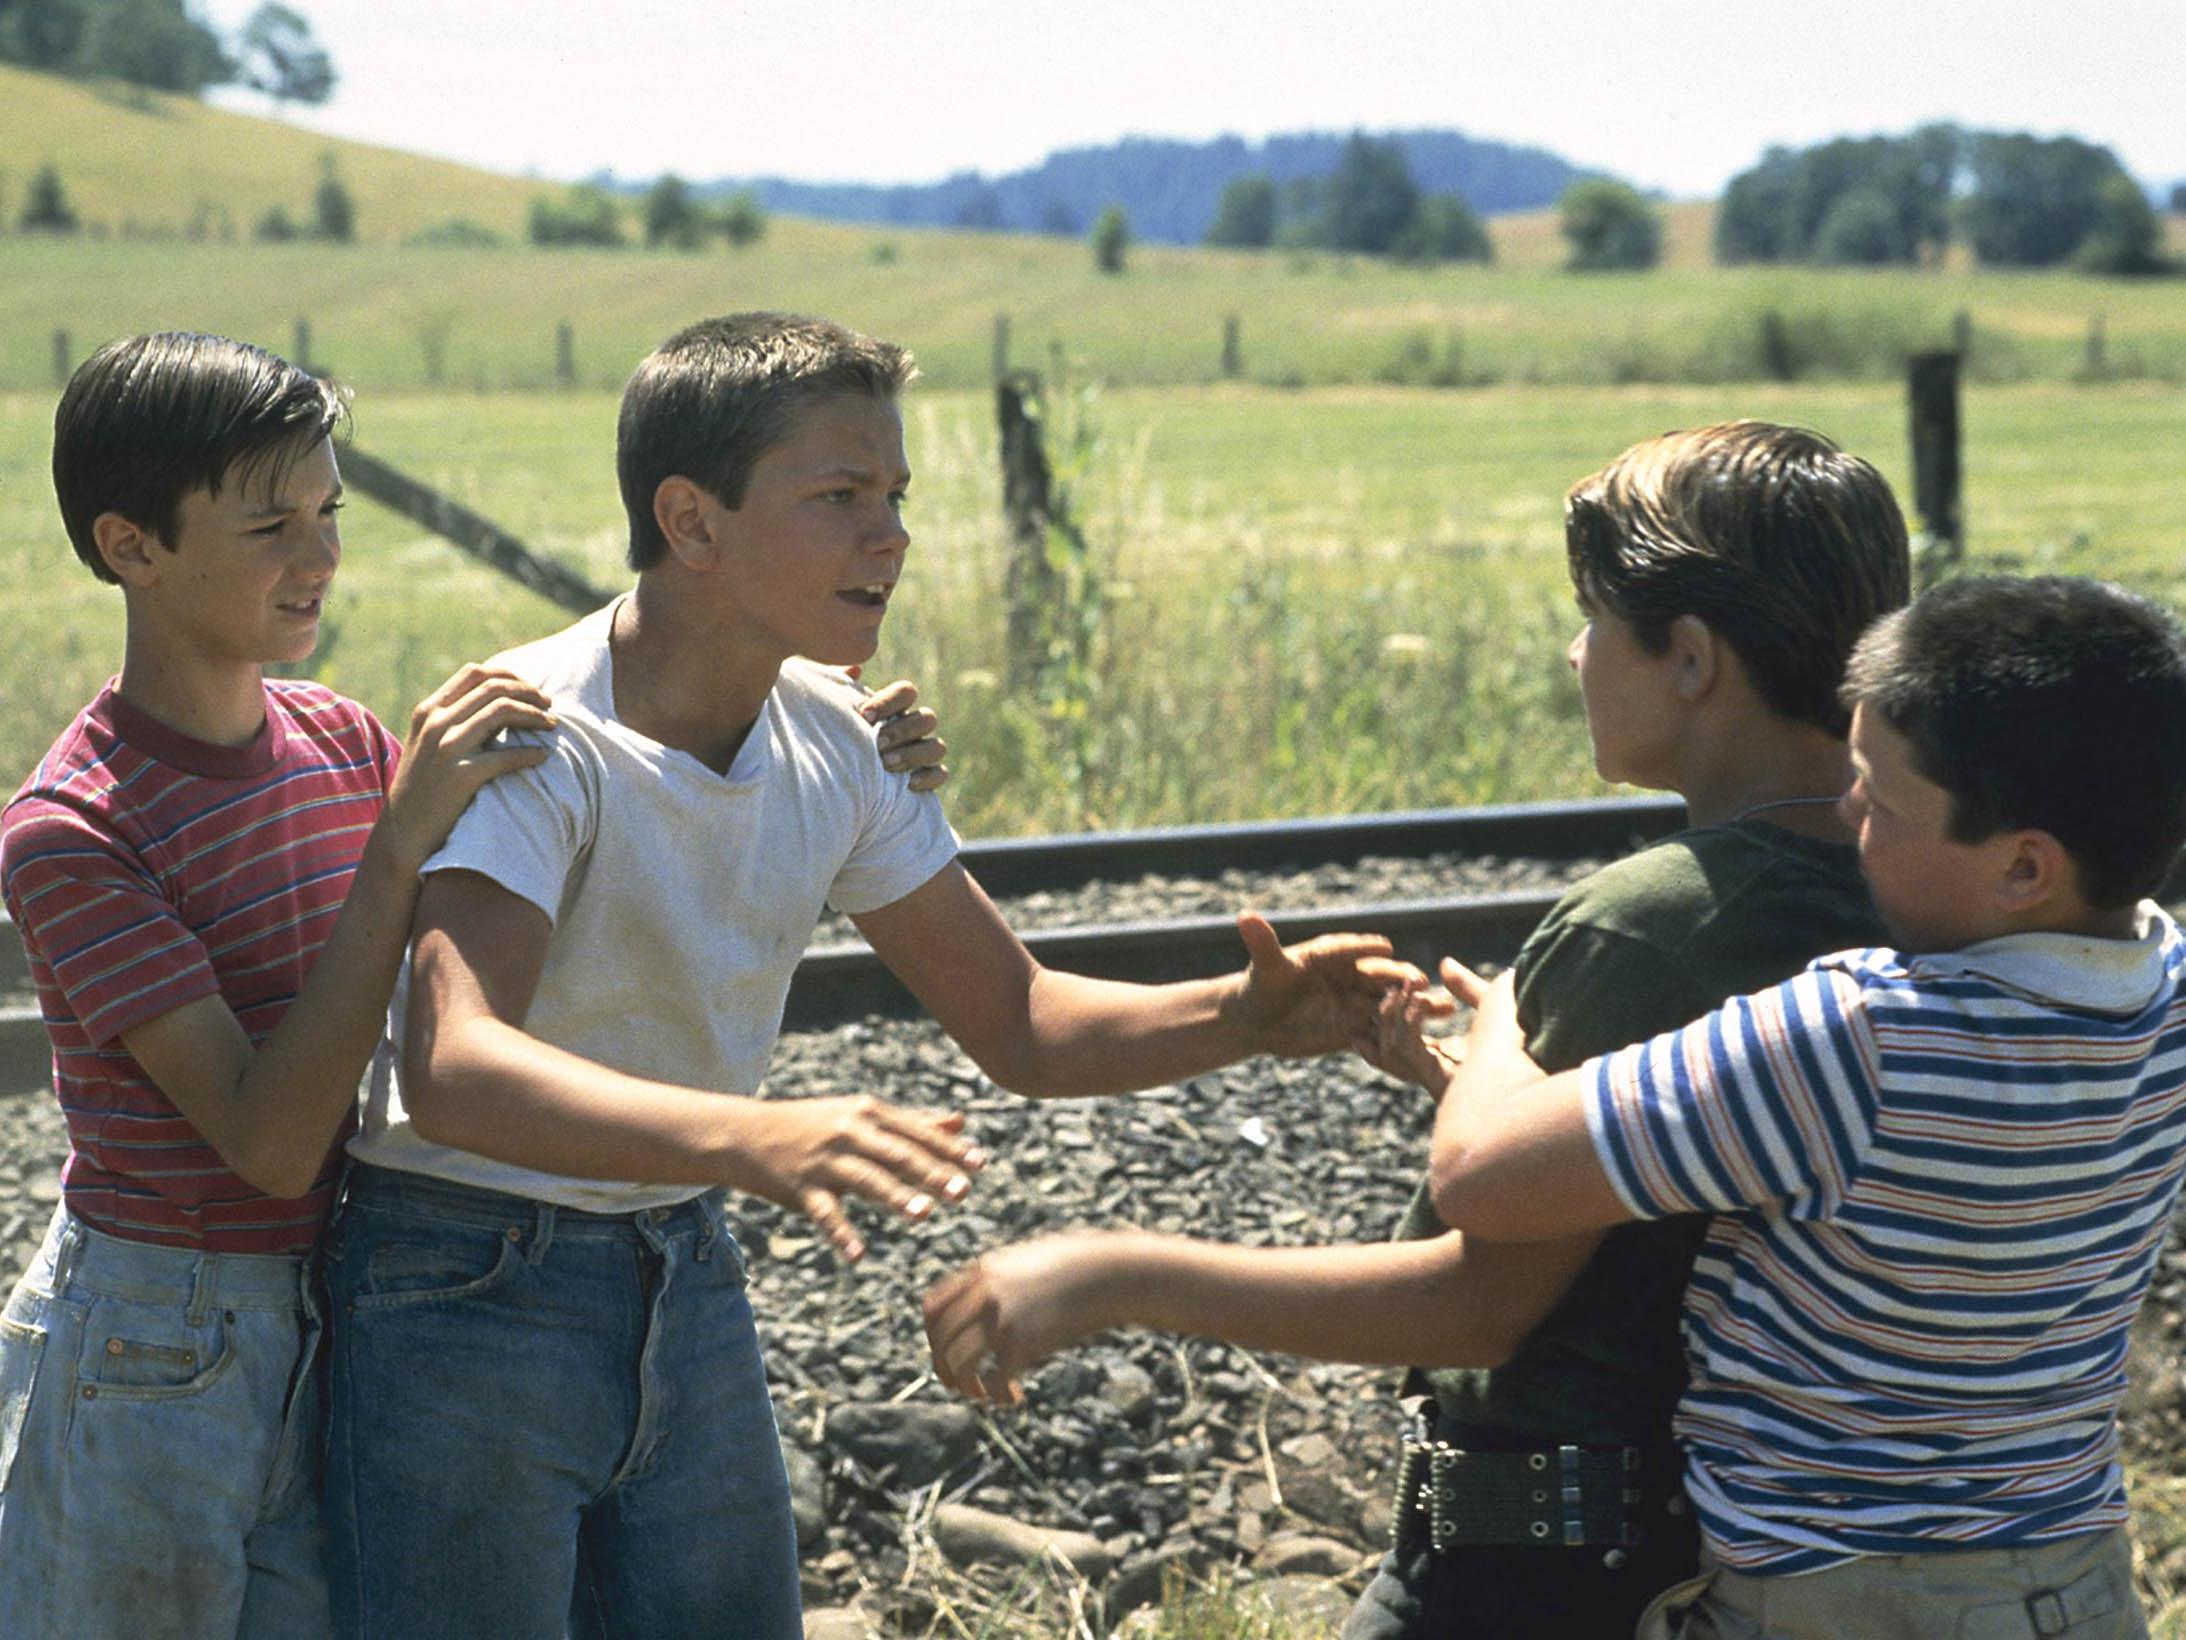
1552,1497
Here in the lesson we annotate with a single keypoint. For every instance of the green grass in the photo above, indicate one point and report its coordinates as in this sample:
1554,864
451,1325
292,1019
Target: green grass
379,313
1322,602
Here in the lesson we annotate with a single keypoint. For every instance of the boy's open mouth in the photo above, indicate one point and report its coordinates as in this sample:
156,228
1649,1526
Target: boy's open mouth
300,606
873,595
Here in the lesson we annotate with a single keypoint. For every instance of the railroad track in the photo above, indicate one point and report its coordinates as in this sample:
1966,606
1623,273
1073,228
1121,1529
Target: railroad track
840,982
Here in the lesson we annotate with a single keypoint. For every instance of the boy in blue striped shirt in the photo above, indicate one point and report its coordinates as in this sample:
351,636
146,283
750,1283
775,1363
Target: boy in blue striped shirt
1942,1173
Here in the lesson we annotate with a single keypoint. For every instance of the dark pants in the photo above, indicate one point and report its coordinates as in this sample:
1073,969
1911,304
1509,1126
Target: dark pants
1521,1592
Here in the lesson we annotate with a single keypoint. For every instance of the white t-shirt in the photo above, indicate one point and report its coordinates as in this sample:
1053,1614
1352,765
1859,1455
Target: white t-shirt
681,899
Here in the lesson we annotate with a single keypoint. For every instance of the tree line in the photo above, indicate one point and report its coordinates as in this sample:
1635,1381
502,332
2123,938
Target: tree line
2013,199
162,46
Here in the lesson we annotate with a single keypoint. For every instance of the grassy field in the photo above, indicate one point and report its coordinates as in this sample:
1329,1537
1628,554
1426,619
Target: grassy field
1358,594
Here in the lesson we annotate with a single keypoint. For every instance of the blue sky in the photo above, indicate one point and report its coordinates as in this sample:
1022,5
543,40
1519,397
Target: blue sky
1676,94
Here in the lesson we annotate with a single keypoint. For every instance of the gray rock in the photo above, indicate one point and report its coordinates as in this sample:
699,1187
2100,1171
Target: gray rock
1139,1581
839,1623
807,1496
1312,1605
918,1442
1298,1554
1129,1388
974,1537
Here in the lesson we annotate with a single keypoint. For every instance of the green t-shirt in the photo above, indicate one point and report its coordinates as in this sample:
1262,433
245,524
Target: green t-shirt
1644,946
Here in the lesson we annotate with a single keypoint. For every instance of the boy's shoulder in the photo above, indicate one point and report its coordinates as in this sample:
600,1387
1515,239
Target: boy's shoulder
1663,893
2049,973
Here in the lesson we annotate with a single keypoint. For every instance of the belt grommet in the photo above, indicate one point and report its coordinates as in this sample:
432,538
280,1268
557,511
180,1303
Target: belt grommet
1540,1494
1615,1559
1537,1460
1539,1528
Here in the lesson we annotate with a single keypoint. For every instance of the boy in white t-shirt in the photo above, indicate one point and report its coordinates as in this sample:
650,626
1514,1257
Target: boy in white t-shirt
549,1406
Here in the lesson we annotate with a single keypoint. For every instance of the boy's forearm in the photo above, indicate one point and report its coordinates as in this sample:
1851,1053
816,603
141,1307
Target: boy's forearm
1414,1303
1087,1036
293,1093
488,1087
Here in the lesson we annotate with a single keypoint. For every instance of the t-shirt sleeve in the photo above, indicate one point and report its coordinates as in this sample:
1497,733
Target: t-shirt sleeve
97,920
904,840
528,830
1771,1098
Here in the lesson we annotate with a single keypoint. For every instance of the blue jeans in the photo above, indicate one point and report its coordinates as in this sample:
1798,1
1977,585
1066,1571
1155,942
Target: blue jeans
158,1445
546,1420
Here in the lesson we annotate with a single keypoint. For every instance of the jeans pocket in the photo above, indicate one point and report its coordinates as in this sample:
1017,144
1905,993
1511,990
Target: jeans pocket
21,1346
142,1352
388,1271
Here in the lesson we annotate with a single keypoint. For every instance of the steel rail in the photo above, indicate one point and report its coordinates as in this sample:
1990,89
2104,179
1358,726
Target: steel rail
838,983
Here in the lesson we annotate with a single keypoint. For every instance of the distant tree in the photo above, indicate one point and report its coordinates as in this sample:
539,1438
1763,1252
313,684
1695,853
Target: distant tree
1059,220
2031,201
455,232
1861,230
1792,205
1370,197
1608,225
276,227
586,215
1753,219
980,209
46,208
740,221
1111,239
2127,237
1444,229
1245,217
2178,199
333,211
41,33
152,43
276,54
672,217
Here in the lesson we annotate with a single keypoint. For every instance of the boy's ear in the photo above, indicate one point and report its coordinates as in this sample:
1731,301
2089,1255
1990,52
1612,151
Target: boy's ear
2037,869
127,548
683,509
1696,654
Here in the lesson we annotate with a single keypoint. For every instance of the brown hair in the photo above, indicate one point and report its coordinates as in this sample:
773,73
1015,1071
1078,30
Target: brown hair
1783,544
146,420
713,398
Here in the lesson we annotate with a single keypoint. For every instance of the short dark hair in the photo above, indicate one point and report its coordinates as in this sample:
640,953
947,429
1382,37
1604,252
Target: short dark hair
146,420
2051,703
1783,544
714,397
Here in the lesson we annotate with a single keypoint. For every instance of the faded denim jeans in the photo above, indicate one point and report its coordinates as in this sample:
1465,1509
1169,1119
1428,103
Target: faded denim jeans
158,1445
546,1419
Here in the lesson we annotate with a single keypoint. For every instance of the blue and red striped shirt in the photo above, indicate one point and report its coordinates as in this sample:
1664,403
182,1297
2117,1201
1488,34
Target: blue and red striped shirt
1942,1184
146,870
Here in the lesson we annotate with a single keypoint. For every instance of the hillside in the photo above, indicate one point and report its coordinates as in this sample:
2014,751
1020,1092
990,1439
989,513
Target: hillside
141,164
1168,188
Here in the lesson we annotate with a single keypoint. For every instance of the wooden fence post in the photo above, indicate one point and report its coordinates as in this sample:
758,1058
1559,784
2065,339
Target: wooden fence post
2096,364
1233,359
1932,389
1001,345
565,355
1027,482
300,355
1776,360
64,358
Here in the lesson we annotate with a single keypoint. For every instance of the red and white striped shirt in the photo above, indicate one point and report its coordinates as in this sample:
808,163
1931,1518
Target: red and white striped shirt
146,870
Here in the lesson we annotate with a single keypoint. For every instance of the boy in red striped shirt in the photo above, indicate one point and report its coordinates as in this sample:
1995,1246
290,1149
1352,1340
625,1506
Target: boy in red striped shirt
213,874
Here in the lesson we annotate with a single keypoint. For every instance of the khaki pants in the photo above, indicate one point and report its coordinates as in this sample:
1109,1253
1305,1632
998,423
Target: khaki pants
2080,1588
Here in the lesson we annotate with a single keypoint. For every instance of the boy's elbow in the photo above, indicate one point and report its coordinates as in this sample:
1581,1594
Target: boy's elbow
430,1067
283,1172
1454,1188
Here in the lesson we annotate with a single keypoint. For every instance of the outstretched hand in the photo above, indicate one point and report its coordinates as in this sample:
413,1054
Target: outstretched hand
809,1154
992,1321
1316,996
907,737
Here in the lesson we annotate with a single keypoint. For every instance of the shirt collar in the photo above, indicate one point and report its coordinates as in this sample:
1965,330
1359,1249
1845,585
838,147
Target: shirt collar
2073,970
